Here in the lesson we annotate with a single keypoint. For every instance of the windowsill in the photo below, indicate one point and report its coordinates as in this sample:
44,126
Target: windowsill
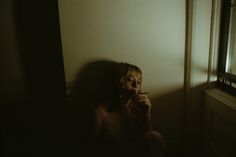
225,98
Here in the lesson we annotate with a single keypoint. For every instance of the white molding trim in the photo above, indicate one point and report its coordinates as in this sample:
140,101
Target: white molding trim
214,41
189,44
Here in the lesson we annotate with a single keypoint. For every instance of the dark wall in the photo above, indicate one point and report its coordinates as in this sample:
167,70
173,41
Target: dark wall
32,92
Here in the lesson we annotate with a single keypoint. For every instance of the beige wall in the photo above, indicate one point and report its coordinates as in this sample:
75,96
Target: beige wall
150,34
200,41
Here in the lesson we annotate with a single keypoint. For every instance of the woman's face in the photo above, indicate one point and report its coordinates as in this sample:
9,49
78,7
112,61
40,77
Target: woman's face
132,83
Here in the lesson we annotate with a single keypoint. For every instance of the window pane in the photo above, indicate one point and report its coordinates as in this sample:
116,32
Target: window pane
231,48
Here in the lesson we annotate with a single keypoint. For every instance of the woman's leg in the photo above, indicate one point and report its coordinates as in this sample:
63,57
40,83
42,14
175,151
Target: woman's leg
152,144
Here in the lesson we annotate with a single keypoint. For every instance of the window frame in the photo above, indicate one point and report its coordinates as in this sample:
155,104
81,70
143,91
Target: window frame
225,79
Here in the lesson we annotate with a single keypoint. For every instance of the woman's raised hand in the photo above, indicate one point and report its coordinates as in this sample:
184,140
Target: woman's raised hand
143,102
139,106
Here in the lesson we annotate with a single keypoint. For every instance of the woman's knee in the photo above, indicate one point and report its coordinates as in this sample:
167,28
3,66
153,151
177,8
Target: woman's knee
153,136
154,142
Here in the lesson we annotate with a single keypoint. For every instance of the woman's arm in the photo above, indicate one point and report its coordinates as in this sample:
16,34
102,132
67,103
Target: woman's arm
142,110
139,115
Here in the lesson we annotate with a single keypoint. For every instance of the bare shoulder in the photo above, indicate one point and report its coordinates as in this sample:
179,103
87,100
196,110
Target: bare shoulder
100,112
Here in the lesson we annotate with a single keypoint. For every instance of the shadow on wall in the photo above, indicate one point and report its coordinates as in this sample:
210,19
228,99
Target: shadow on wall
95,83
168,119
179,118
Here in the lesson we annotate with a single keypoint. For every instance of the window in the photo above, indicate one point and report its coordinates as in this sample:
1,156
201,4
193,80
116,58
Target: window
227,49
